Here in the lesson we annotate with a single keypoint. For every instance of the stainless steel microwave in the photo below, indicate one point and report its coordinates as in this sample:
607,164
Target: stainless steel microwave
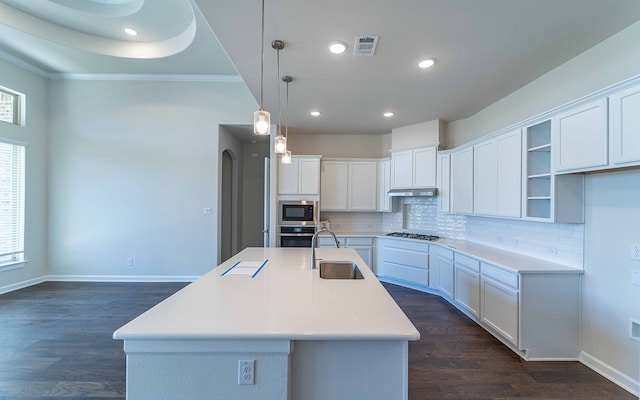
304,212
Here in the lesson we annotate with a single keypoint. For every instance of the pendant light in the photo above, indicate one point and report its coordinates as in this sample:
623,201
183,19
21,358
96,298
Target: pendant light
262,118
286,157
280,141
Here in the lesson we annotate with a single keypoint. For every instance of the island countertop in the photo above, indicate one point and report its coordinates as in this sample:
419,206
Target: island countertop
286,299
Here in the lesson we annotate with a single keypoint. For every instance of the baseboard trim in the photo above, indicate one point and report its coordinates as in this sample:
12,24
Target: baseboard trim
21,285
626,382
118,278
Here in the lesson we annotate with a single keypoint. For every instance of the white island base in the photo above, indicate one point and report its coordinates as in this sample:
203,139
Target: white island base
310,338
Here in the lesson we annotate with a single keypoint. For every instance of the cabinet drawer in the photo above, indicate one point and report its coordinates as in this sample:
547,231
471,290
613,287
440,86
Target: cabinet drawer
500,275
406,273
359,241
407,245
327,241
447,254
467,262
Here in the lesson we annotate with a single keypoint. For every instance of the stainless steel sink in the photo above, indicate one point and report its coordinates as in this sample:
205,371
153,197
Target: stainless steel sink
339,270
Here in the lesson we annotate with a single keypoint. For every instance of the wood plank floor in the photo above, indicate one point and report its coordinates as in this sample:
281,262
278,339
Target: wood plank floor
56,343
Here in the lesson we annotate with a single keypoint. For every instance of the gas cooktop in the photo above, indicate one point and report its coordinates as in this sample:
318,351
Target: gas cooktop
413,236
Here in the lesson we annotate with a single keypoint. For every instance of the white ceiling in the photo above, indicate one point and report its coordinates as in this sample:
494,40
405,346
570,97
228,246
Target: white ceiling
484,49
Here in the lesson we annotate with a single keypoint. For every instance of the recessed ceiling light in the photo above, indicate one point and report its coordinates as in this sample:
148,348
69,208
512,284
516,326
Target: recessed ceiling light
337,47
427,63
315,113
388,114
130,31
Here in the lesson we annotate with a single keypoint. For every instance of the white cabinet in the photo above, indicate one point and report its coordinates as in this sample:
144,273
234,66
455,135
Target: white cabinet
443,271
301,177
444,182
363,245
462,181
414,168
334,181
384,184
500,300
547,197
497,175
467,283
349,185
363,185
403,261
580,137
624,131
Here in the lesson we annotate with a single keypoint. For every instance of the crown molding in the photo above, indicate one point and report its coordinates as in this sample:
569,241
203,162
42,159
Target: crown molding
23,64
147,77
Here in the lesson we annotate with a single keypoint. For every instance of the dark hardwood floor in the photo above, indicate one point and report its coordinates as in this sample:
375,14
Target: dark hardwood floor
56,343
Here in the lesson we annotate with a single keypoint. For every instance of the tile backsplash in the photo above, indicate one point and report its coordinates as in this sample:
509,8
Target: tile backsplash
561,243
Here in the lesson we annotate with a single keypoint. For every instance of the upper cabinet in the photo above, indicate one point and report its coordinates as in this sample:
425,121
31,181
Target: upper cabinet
349,185
385,202
444,182
413,168
497,175
580,137
462,181
301,177
624,125
547,197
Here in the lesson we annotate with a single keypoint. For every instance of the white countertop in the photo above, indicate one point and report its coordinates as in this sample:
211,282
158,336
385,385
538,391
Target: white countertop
509,260
285,300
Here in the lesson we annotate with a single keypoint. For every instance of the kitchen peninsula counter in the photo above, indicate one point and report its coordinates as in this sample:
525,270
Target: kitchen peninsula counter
303,331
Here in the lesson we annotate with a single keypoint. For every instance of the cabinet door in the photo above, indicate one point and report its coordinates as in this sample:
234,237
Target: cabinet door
424,167
365,252
500,308
363,185
625,126
467,292
384,184
334,186
309,176
580,137
462,181
485,178
509,174
445,275
444,182
401,169
288,177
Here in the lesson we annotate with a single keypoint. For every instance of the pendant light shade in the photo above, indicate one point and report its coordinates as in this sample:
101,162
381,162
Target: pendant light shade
262,118
281,144
261,122
286,158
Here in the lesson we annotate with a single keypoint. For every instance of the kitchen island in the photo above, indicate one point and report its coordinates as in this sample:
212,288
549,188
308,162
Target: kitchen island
311,338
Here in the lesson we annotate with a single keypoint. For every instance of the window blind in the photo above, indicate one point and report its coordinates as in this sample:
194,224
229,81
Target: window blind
12,168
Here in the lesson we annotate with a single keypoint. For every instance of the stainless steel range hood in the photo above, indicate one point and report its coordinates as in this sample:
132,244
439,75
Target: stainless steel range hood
425,192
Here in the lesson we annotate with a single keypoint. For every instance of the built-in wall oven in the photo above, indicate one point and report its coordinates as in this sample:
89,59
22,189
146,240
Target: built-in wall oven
297,221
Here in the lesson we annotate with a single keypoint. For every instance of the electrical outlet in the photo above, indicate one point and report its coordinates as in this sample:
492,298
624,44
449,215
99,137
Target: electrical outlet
207,211
635,277
552,250
635,252
130,262
246,372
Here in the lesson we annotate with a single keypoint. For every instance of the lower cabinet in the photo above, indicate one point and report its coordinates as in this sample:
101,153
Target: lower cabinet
500,301
467,283
363,245
405,262
443,273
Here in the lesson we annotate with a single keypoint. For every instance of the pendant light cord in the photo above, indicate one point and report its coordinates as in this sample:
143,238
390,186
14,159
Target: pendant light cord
279,101
286,122
262,59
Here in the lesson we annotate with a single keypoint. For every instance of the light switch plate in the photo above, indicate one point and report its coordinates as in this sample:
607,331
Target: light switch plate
634,329
635,252
635,277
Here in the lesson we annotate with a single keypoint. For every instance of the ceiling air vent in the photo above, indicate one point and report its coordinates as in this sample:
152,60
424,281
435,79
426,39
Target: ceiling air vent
365,45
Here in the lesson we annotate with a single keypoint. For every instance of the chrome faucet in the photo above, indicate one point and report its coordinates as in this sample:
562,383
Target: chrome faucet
314,242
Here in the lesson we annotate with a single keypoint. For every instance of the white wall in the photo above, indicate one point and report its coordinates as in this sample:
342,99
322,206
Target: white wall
253,193
340,146
612,224
422,134
35,134
610,62
132,165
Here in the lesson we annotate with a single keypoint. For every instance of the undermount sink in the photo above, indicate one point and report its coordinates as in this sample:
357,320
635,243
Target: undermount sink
339,270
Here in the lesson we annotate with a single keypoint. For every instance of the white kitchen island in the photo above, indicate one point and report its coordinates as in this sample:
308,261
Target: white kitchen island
311,338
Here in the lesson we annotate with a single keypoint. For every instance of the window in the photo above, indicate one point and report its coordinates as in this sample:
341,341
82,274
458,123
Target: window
10,106
12,158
